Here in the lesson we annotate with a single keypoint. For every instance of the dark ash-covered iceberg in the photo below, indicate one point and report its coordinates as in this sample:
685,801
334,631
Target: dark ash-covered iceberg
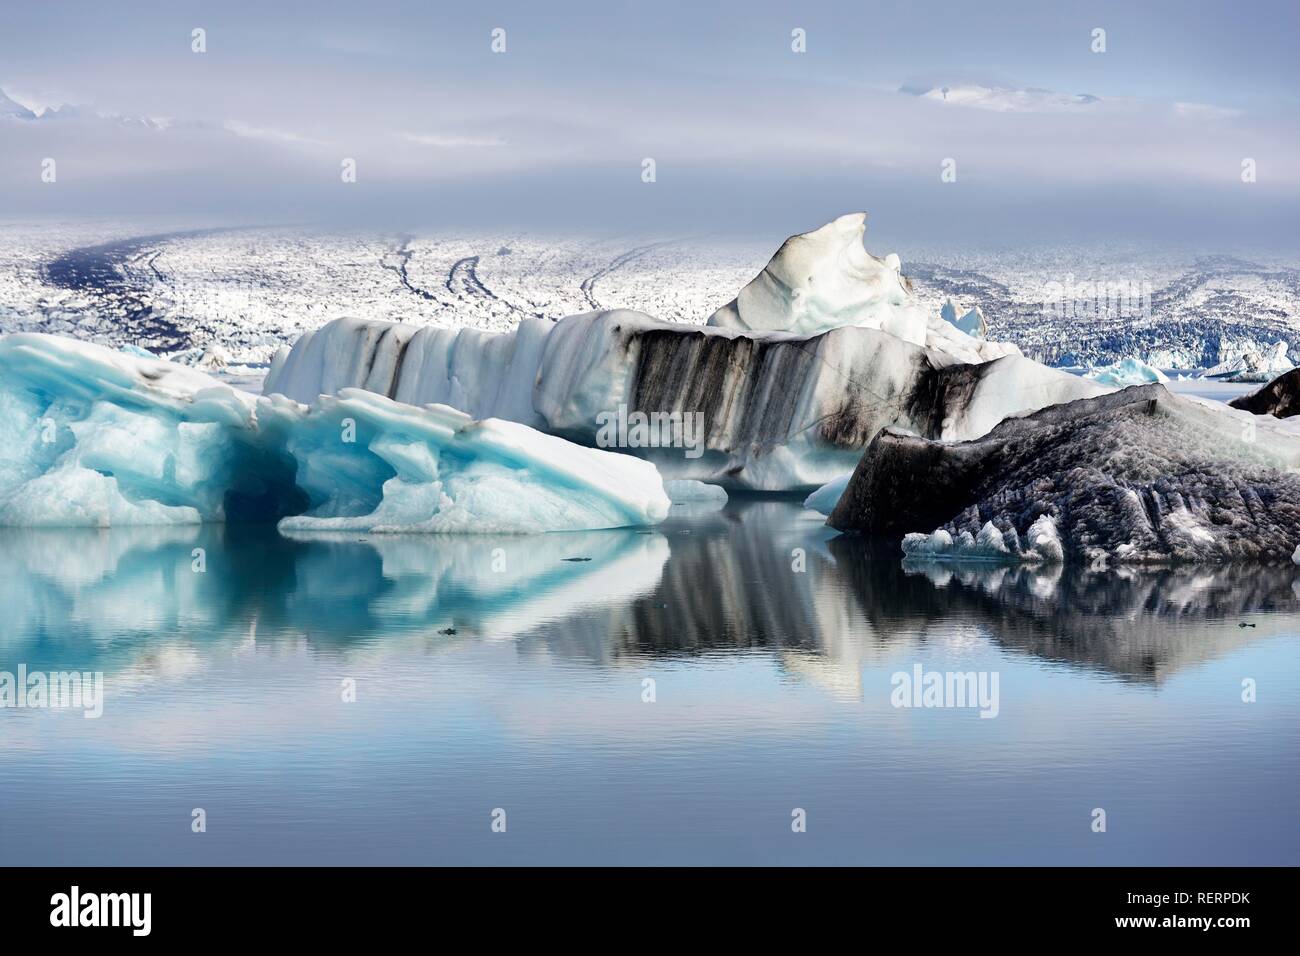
1137,476
1279,398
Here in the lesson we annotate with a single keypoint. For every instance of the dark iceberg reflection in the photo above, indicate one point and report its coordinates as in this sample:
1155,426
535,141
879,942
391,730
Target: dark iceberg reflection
761,575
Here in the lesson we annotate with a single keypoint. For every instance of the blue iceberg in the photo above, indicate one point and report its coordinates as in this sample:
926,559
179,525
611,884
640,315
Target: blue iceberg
95,437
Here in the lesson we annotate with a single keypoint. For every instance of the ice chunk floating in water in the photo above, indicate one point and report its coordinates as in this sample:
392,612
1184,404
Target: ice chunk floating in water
825,498
89,436
1129,371
1137,476
93,437
437,469
1042,544
782,388
687,490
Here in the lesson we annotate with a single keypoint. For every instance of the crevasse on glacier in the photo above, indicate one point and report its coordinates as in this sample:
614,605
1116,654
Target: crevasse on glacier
93,437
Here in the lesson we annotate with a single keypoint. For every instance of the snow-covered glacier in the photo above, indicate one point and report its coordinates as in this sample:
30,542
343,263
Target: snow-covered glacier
93,437
1136,476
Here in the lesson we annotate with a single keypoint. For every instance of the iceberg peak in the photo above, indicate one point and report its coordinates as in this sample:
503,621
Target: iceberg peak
825,279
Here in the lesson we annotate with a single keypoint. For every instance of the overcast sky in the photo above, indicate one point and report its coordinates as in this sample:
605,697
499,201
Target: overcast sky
745,133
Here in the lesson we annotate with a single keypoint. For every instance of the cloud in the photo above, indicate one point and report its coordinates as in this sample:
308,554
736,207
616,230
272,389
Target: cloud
1205,112
1001,99
249,131
453,142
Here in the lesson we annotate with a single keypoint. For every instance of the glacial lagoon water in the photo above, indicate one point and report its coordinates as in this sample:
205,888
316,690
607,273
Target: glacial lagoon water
510,673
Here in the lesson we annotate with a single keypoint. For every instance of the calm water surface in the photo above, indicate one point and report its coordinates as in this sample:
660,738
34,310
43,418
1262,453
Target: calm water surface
494,672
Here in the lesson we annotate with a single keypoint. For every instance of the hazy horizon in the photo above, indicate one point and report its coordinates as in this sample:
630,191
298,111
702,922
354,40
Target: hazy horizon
1049,138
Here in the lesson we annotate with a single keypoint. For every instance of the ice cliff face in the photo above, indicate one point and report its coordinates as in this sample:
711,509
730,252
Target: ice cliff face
482,374
92,437
768,411
1138,476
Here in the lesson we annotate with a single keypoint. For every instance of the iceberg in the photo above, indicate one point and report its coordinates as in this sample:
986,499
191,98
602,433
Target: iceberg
686,490
1279,398
1136,476
826,279
1042,544
767,411
824,499
1253,366
435,469
485,375
970,322
94,437
1126,372
780,391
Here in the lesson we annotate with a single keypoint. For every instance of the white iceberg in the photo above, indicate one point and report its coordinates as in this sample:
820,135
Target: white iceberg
1126,372
825,498
1042,544
1261,365
780,392
687,490
826,279
93,437
971,322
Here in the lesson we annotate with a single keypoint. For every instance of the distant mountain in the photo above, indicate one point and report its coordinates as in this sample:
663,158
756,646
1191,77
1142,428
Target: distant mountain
63,112
11,109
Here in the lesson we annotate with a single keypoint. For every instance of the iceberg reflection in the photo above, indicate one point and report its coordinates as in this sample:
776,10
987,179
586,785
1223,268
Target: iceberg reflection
759,576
